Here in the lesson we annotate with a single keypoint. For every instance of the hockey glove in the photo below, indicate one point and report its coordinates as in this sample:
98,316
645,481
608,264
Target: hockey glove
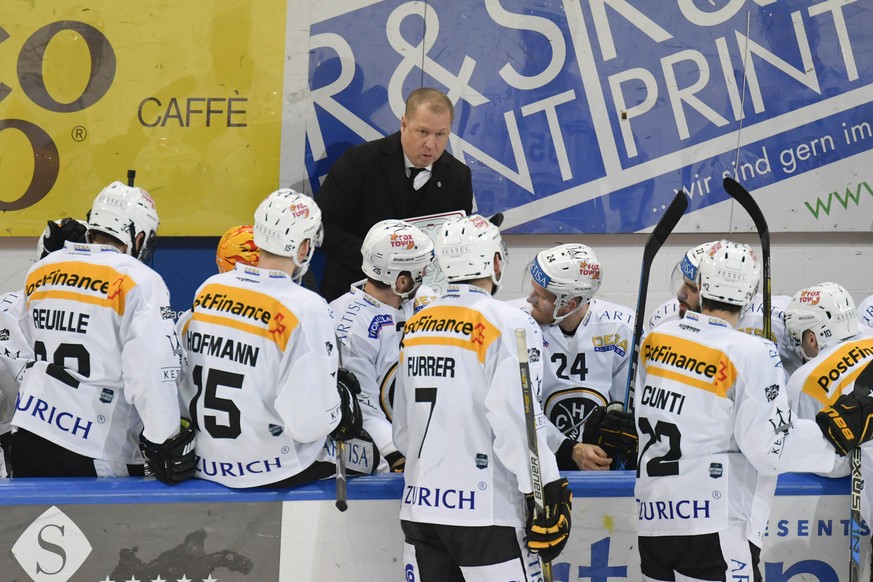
55,235
613,430
547,534
172,461
848,422
352,421
396,462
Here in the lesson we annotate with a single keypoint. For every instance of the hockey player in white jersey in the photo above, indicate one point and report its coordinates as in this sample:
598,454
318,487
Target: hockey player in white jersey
370,317
103,383
712,415
585,359
459,420
260,380
751,318
14,351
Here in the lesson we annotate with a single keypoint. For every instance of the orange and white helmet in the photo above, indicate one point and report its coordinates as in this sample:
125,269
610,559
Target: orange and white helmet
237,245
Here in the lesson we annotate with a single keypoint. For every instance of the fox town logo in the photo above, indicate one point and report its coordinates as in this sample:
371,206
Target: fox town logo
52,548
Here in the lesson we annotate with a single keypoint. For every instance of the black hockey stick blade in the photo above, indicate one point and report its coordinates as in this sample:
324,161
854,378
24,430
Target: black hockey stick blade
863,385
656,240
736,191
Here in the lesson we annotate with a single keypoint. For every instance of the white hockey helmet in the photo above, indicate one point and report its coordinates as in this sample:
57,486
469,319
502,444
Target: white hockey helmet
125,212
392,247
827,310
53,239
569,271
465,249
285,219
729,273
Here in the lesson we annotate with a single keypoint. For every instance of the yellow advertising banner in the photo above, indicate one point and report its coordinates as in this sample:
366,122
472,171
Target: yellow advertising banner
187,94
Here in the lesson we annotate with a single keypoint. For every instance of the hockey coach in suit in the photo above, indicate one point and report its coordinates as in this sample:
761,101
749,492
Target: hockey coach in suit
403,175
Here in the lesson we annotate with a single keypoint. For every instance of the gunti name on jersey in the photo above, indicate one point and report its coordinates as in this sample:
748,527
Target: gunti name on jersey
66,421
220,347
58,320
438,497
682,509
236,468
856,353
439,366
663,399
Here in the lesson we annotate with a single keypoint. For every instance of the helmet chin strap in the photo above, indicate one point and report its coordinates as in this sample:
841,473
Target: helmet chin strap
560,318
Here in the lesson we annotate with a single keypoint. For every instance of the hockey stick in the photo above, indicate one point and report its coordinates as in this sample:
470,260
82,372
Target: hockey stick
340,452
131,176
656,240
736,191
863,383
531,429
341,494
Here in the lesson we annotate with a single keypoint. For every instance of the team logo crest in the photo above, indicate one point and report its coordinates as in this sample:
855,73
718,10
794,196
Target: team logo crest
716,470
481,461
771,392
569,409
107,395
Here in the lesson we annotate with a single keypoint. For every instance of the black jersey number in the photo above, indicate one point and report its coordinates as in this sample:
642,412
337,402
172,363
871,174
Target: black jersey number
211,401
577,368
667,464
57,368
426,395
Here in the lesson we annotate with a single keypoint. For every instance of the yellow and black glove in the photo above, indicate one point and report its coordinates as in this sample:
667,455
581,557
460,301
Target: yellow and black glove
547,534
848,422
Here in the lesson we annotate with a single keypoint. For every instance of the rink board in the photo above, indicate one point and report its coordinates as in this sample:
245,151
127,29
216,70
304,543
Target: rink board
105,530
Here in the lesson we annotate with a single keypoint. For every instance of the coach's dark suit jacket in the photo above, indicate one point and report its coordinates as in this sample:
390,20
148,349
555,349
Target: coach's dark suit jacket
368,184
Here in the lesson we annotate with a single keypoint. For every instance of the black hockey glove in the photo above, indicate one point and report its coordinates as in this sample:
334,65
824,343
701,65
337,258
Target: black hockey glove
55,235
352,422
848,422
396,462
613,430
172,461
547,534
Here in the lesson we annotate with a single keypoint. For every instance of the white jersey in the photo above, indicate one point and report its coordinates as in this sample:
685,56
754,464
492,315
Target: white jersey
106,353
458,412
712,414
820,381
865,312
751,322
587,369
260,377
369,333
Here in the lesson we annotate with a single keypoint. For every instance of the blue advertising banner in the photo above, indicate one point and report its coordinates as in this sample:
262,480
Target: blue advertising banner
586,117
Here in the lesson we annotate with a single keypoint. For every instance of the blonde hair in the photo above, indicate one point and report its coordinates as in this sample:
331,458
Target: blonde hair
436,100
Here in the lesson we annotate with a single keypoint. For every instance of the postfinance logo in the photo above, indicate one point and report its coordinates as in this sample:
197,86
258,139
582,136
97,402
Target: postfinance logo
451,326
80,281
836,371
245,310
688,362
52,548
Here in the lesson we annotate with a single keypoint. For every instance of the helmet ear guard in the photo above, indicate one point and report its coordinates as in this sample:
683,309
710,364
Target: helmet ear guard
827,310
